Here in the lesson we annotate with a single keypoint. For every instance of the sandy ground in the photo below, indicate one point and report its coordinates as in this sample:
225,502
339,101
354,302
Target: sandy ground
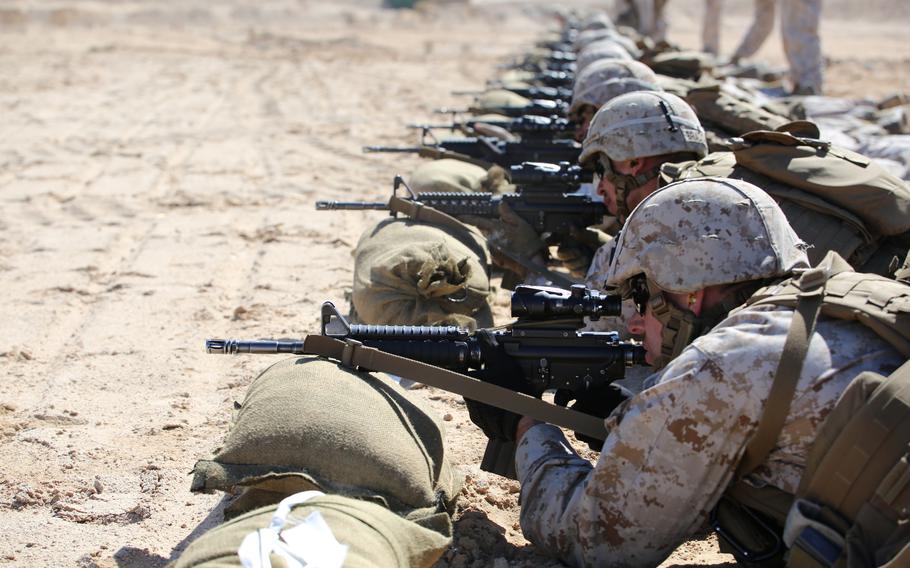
159,161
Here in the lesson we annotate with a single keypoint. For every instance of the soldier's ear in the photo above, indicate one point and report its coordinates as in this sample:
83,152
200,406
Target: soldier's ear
636,165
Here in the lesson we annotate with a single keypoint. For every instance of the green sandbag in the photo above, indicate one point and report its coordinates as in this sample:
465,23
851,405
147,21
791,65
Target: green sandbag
499,98
413,273
309,423
455,175
374,536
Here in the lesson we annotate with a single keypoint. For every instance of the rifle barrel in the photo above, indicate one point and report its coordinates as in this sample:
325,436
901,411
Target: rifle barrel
265,347
355,205
397,149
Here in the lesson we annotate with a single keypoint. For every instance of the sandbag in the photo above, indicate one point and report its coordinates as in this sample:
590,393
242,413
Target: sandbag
309,423
457,176
413,273
374,536
500,98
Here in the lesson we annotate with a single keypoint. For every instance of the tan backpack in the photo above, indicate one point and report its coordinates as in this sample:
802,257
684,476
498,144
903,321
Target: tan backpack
835,199
851,509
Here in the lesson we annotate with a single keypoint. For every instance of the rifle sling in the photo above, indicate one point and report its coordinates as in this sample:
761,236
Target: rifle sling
783,387
352,353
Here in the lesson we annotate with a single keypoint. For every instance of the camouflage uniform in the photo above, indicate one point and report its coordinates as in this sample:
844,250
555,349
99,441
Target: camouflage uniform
673,449
799,31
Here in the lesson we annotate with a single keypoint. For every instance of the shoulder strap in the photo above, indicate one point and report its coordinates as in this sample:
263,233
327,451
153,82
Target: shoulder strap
777,407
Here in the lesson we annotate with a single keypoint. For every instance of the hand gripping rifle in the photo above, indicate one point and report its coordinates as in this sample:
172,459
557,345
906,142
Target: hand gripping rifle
544,343
485,152
528,127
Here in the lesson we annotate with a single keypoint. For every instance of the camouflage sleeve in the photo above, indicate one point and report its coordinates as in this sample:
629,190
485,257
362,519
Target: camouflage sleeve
662,469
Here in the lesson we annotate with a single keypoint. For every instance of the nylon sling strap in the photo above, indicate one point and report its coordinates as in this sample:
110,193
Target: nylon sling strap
352,353
783,388
420,212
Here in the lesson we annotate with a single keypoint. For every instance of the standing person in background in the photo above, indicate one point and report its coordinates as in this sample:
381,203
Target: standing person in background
710,28
799,21
646,16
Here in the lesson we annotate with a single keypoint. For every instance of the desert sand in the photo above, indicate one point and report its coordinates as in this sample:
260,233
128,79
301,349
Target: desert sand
159,164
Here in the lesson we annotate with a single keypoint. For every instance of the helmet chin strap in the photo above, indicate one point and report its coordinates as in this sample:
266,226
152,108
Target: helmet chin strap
625,184
681,326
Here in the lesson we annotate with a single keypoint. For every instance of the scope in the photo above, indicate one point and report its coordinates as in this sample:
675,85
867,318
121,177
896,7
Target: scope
541,173
544,302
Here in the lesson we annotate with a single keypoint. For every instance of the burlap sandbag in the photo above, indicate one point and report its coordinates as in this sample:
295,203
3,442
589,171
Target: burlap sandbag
500,98
412,273
309,423
455,175
374,536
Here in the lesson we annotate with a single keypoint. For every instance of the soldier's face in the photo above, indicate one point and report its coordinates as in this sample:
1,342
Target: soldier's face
606,189
585,115
651,328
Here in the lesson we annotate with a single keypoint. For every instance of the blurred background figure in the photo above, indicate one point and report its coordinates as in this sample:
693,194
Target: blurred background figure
799,21
646,16
710,30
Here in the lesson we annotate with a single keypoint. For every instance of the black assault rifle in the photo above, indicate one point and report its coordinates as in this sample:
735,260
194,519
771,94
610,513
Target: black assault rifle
536,107
562,79
555,216
528,127
548,93
544,350
486,151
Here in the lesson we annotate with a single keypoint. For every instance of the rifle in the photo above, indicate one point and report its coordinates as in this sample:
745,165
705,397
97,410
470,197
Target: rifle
555,216
528,127
485,151
537,107
544,347
537,65
562,79
549,93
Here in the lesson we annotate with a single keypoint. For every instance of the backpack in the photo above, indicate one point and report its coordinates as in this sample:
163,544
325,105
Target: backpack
835,199
851,509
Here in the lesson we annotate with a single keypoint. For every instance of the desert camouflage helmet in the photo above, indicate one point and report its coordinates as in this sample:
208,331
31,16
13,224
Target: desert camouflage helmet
702,232
604,49
642,124
611,79
586,38
597,21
